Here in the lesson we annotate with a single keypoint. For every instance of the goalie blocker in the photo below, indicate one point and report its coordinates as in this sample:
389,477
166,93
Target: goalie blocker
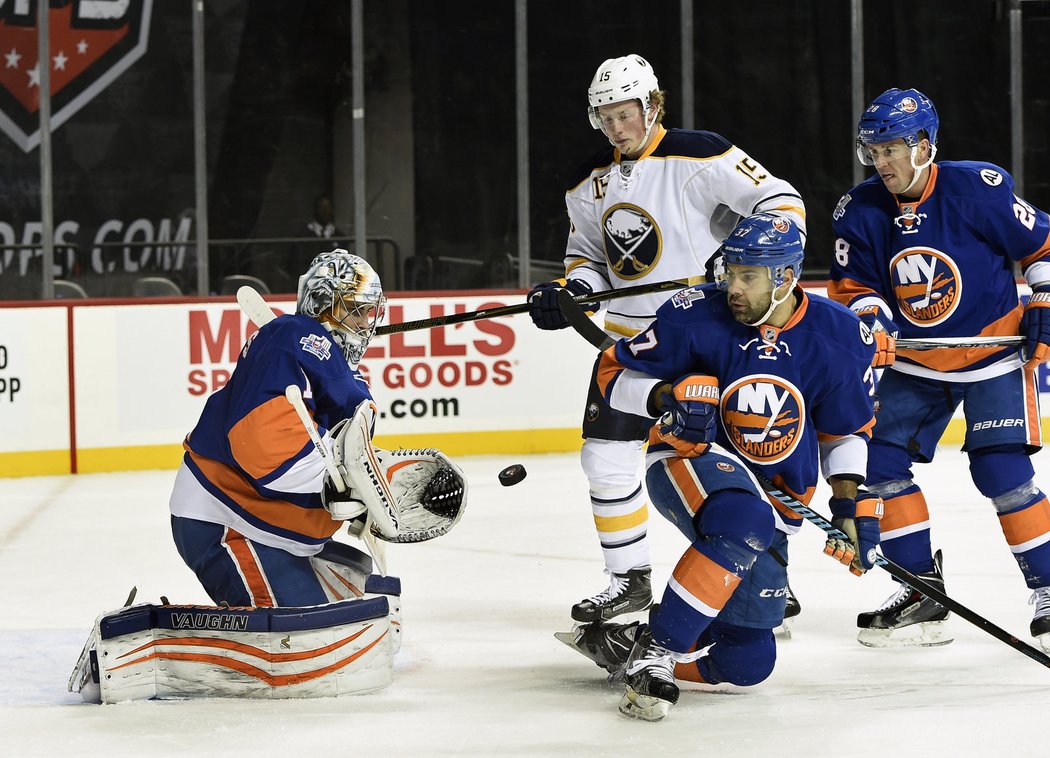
187,651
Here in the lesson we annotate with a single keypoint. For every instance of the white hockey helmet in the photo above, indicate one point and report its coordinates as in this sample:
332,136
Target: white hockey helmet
344,293
618,79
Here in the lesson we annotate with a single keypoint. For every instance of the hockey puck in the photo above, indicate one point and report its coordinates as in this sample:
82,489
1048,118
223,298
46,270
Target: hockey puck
511,475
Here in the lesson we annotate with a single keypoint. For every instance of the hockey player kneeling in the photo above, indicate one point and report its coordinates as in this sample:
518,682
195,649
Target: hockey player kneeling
279,460
345,647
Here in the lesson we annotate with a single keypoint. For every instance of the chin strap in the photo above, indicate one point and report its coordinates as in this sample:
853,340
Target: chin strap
919,169
774,302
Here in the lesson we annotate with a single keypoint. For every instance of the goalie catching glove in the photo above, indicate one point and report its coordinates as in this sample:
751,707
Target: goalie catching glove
409,495
859,520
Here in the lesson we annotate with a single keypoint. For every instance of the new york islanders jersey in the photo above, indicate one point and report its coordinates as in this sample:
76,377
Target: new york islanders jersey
782,390
662,216
943,263
249,463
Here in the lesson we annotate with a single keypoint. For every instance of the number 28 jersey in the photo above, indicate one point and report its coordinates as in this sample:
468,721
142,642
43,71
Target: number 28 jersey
943,263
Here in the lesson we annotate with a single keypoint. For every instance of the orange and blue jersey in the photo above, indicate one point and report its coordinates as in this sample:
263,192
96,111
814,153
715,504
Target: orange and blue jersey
249,463
783,390
942,263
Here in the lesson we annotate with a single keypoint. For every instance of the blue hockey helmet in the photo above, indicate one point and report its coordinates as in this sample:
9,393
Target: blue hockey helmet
764,240
898,114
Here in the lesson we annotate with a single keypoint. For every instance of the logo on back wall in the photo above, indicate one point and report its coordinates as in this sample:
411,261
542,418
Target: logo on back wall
91,44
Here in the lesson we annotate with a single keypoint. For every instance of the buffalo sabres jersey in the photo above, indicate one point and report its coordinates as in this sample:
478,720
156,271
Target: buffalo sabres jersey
249,463
944,263
662,217
782,390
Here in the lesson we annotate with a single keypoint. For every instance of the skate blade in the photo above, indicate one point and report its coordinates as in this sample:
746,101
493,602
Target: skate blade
926,634
571,639
1044,641
783,632
644,707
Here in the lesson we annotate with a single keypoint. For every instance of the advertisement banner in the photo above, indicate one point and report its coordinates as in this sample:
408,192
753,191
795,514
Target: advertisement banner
143,373
34,391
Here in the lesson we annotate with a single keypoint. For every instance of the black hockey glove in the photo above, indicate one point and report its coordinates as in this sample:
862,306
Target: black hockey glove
543,302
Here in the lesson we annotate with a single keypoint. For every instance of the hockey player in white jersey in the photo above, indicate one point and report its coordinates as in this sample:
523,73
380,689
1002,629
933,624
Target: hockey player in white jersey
653,205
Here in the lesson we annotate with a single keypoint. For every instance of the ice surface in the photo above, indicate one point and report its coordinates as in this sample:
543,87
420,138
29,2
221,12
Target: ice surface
480,673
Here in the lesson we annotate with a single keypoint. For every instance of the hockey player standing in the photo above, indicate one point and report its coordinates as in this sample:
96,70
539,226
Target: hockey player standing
928,249
653,205
789,377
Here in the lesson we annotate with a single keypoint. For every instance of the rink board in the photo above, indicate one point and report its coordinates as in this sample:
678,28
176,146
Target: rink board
88,386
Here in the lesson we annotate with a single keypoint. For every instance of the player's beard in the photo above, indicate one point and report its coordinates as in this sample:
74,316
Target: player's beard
753,311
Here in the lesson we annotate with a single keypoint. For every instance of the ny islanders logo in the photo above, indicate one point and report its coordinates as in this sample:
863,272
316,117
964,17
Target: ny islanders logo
632,241
91,44
764,416
927,285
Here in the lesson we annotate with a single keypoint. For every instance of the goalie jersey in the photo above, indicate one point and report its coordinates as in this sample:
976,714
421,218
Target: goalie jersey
249,463
944,264
782,390
663,216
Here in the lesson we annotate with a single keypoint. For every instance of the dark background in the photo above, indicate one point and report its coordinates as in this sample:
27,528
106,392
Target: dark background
772,77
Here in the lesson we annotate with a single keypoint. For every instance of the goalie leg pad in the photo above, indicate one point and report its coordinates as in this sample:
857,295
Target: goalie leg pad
346,573
411,495
165,651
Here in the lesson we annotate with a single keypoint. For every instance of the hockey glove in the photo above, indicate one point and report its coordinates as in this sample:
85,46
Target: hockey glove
884,332
1035,327
543,302
859,519
690,412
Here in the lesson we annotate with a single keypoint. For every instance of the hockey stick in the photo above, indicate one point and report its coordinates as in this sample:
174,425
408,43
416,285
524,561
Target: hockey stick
582,323
295,396
254,307
933,343
593,334
903,575
510,310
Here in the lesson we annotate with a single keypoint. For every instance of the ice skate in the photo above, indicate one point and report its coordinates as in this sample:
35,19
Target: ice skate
1041,623
649,679
626,593
606,643
792,608
908,618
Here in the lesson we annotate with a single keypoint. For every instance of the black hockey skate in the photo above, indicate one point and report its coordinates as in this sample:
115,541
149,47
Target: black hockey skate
1040,627
649,679
606,643
792,608
626,593
908,618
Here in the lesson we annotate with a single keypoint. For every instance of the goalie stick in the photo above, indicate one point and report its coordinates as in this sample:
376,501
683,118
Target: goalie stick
593,334
295,396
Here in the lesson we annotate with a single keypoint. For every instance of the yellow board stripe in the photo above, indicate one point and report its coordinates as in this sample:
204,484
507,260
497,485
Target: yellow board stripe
515,442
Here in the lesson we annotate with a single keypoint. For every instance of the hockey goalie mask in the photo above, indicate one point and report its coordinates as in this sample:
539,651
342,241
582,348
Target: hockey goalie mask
343,292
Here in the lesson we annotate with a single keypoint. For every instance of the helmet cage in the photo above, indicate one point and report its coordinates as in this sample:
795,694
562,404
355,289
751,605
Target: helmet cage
344,293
